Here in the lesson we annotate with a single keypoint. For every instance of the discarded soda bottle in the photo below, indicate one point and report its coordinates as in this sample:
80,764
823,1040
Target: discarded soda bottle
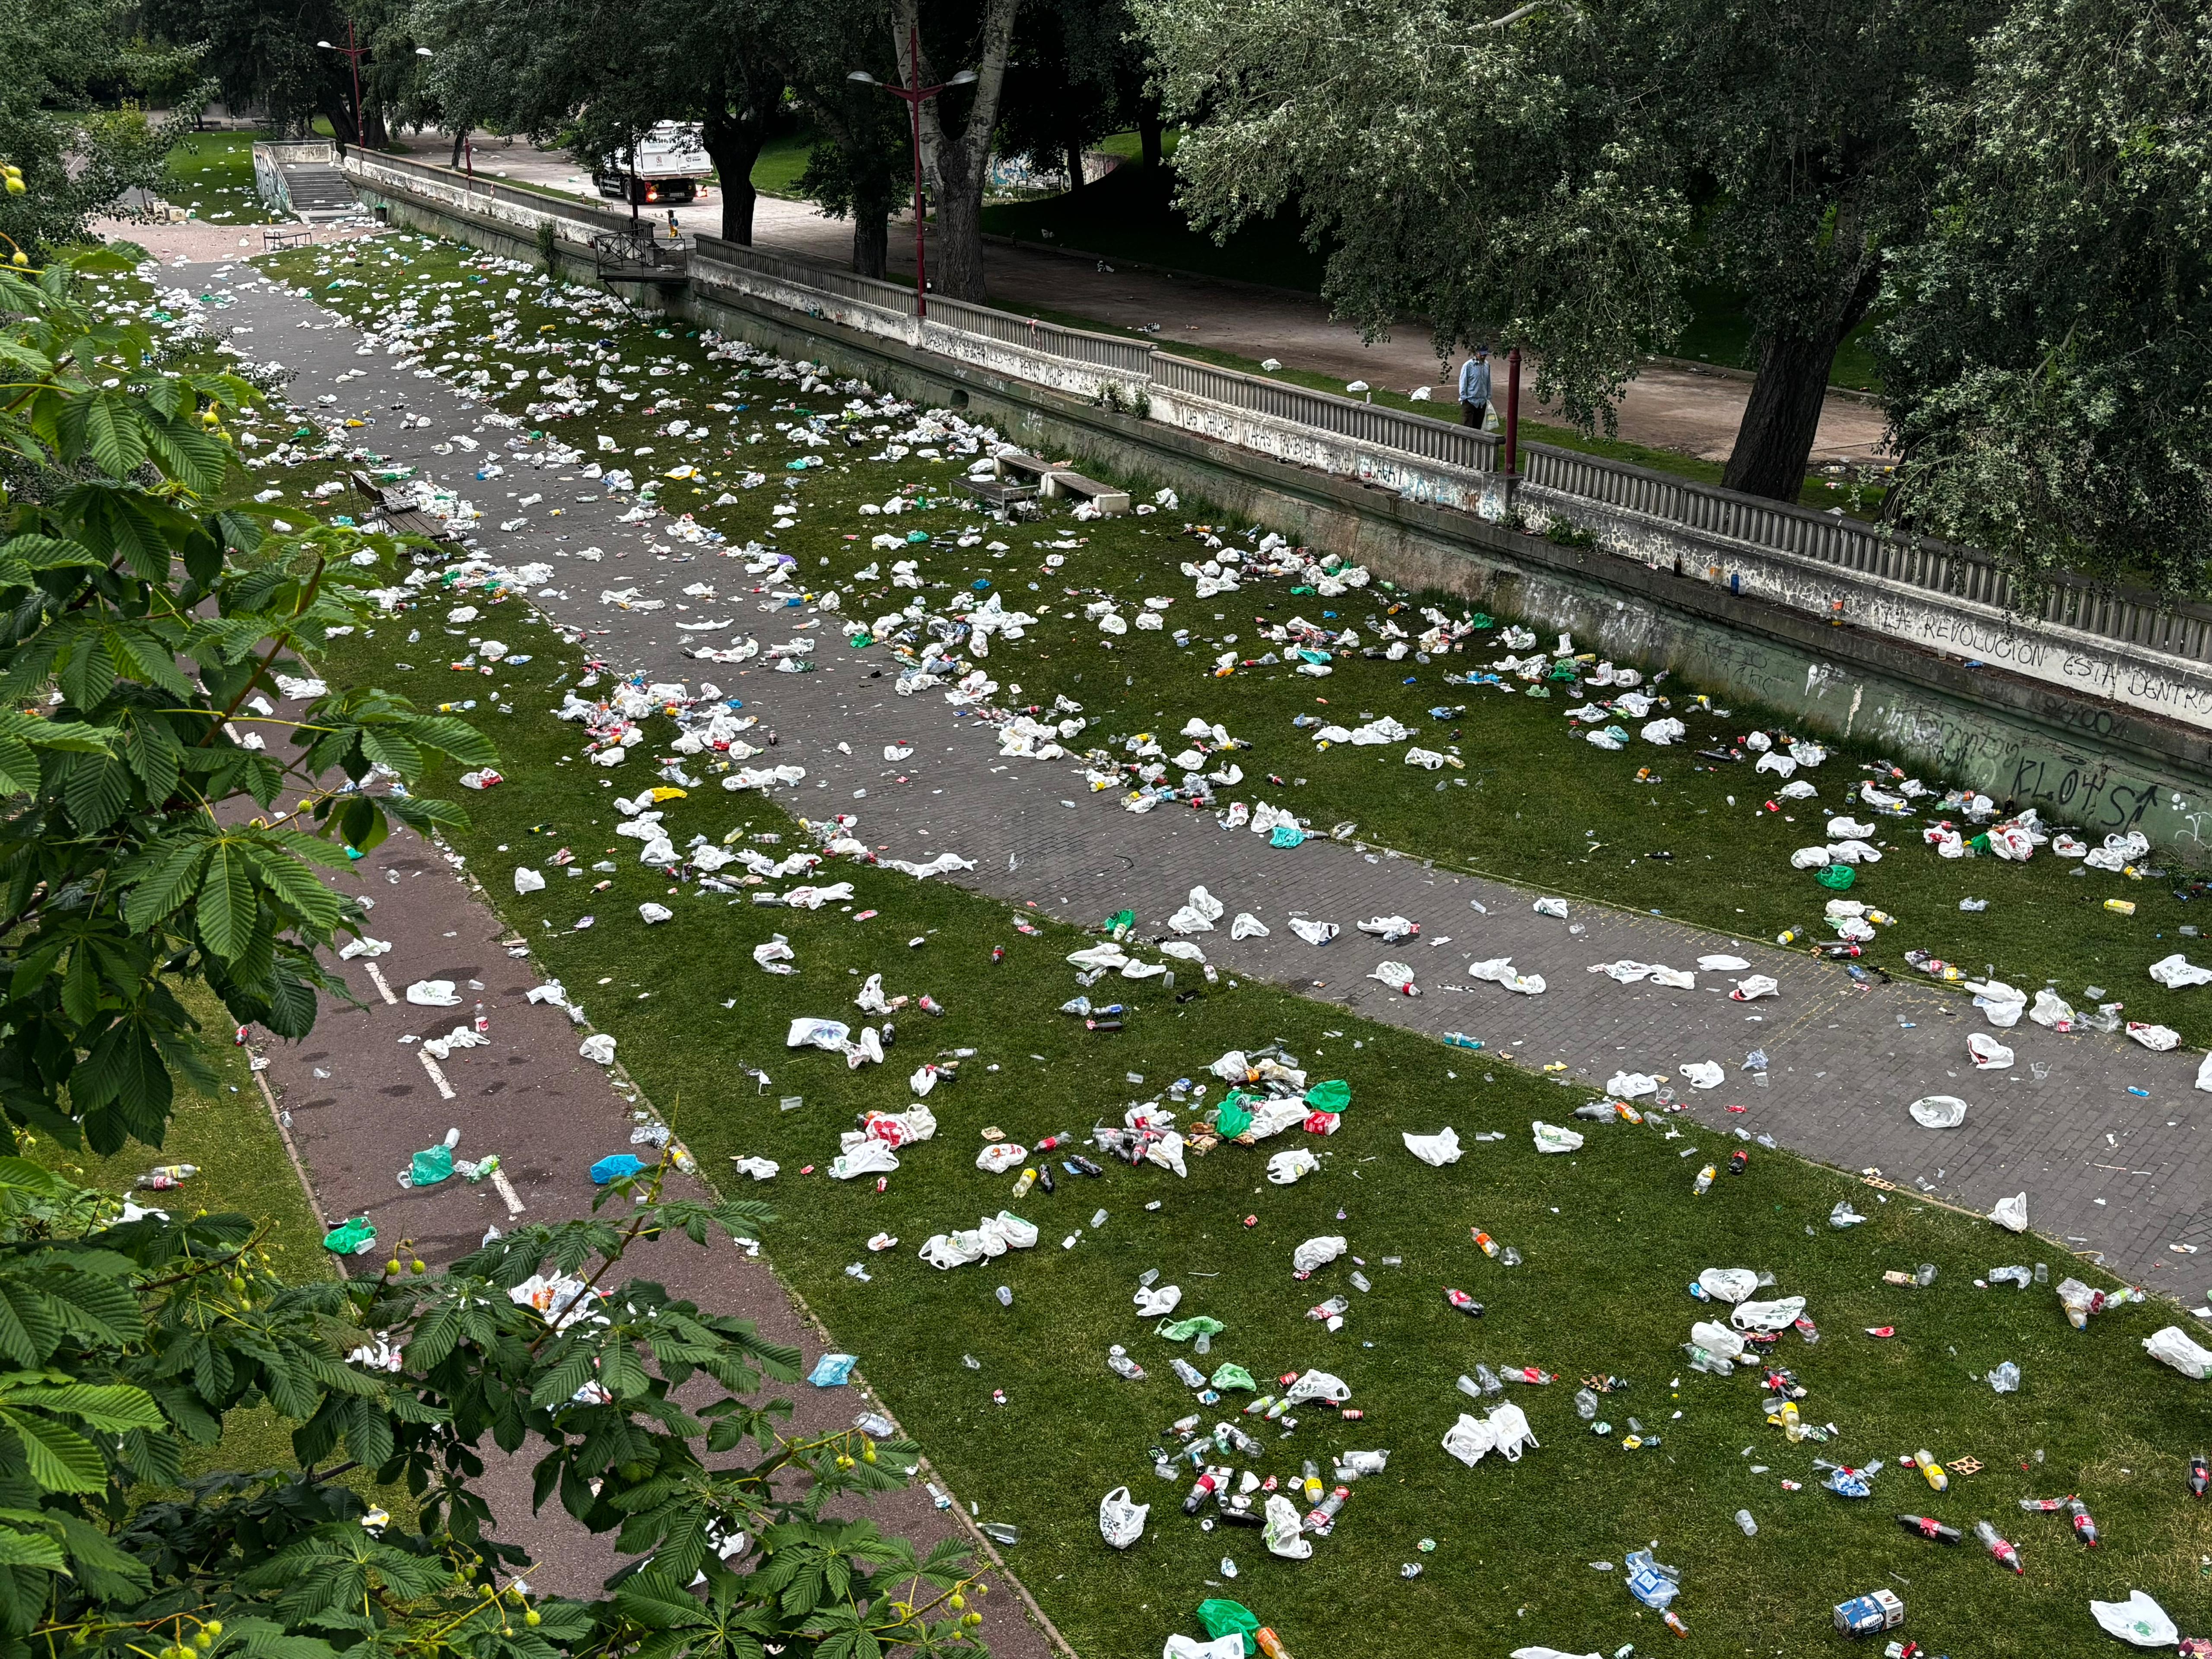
1309,1481
1270,1643
1322,1519
1461,1039
1208,1482
1791,935
1118,1361
2084,1526
1466,1304
1027,1181
1929,1526
1187,1374
2200,1478
1331,1312
165,1177
1703,1183
1739,1161
1488,1378
1997,1545
1809,1330
1935,1474
1485,1243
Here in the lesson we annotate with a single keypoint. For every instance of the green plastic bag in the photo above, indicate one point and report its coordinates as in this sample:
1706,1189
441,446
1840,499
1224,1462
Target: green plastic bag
1120,924
1286,834
430,1166
1331,1096
1221,1617
1231,1374
1233,1117
1837,878
350,1237
1182,1330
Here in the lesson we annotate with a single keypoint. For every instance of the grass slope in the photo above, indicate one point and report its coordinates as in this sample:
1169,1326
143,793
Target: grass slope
1610,1234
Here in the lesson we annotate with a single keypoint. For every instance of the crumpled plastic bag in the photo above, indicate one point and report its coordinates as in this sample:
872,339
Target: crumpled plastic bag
1768,1315
1180,1646
2053,1011
1436,1149
1716,1338
433,993
1198,914
2078,1301
1158,1300
1313,932
1703,1075
1285,1169
598,1048
1844,1216
1318,1252
1987,1053
1471,1439
999,1157
1551,1137
1722,964
2011,1213
1318,1385
1182,1330
1167,1153
1756,986
1500,971
2158,1039
1542,1652
830,1034
1247,926
1283,1534
867,1158
949,1250
1632,1086
1122,1518
2174,1346
527,880
2002,1003
2177,973
2138,1621
1397,975
1728,1284
1938,1111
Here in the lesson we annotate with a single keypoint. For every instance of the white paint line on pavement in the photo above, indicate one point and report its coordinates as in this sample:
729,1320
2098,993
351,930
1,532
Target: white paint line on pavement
377,973
445,1088
506,1192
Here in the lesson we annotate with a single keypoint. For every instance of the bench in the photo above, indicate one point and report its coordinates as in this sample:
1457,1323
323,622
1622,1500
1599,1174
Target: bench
399,520
1110,503
275,240
997,493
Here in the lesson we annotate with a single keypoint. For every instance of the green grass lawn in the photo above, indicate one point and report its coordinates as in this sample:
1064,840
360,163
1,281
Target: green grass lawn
211,173
1611,1233
781,160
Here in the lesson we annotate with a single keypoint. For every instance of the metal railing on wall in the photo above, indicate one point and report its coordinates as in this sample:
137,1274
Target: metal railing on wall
2124,615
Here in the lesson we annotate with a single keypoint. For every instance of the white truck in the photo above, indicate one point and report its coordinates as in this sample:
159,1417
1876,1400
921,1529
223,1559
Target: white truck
666,167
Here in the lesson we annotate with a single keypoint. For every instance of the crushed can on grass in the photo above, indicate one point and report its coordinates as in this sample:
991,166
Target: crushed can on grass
1870,1615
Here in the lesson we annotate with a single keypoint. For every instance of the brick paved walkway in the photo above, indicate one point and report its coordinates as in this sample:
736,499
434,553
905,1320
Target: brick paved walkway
2107,1171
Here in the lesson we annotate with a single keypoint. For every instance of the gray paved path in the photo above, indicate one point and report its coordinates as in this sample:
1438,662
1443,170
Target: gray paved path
2111,1171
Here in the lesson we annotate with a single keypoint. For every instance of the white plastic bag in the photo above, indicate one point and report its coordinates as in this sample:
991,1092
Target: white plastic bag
1938,1111
830,1034
1987,1053
1470,1439
1728,1284
1750,989
2139,1621
1159,1302
1551,1137
1436,1149
433,993
1285,1168
2177,972
2158,1039
1318,1385
1284,1534
1703,1075
1122,1518
1716,1339
1180,1646
1510,1425
1000,1156
528,880
1768,1315
1632,1086
598,1048
2002,1003
2011,1213
2174,1346
1318,1252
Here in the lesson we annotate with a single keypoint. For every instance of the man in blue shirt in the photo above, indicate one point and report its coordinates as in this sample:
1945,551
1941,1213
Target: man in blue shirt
1474,387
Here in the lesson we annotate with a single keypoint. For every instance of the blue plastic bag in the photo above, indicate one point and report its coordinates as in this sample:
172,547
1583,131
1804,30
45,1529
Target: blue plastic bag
833,1370
620,1167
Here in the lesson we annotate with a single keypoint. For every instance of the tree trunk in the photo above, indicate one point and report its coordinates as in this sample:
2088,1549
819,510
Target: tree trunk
734,143
871,232
1072,144
1783,416
958,165
375,134
460,139
1149,131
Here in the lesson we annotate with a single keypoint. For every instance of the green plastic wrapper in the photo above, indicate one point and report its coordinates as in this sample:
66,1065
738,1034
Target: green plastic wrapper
1182,1330
430,1166
1233,1117
1231,1374
1221,1617
1331,1096
1837,877
349,1237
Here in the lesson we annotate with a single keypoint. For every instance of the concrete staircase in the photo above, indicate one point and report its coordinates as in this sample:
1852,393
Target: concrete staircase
316,192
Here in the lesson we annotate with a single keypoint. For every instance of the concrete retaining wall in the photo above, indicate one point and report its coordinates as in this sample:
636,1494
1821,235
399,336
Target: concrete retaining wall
2022,725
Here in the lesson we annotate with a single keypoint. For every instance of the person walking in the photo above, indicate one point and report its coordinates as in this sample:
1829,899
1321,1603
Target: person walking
1474,388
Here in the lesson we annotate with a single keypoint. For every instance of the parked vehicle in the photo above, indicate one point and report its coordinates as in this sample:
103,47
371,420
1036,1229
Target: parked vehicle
667,165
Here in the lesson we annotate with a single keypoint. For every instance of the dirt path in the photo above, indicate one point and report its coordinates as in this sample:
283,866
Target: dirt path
1665,407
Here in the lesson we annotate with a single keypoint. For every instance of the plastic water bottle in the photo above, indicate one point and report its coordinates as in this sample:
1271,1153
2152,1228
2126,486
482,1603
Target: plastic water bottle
1703,1183
1750,1526
1461,1039
1585,1404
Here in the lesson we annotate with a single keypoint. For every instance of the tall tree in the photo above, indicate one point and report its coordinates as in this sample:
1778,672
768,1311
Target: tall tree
1558,175
956,150
1064,89
2049,347
263,52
